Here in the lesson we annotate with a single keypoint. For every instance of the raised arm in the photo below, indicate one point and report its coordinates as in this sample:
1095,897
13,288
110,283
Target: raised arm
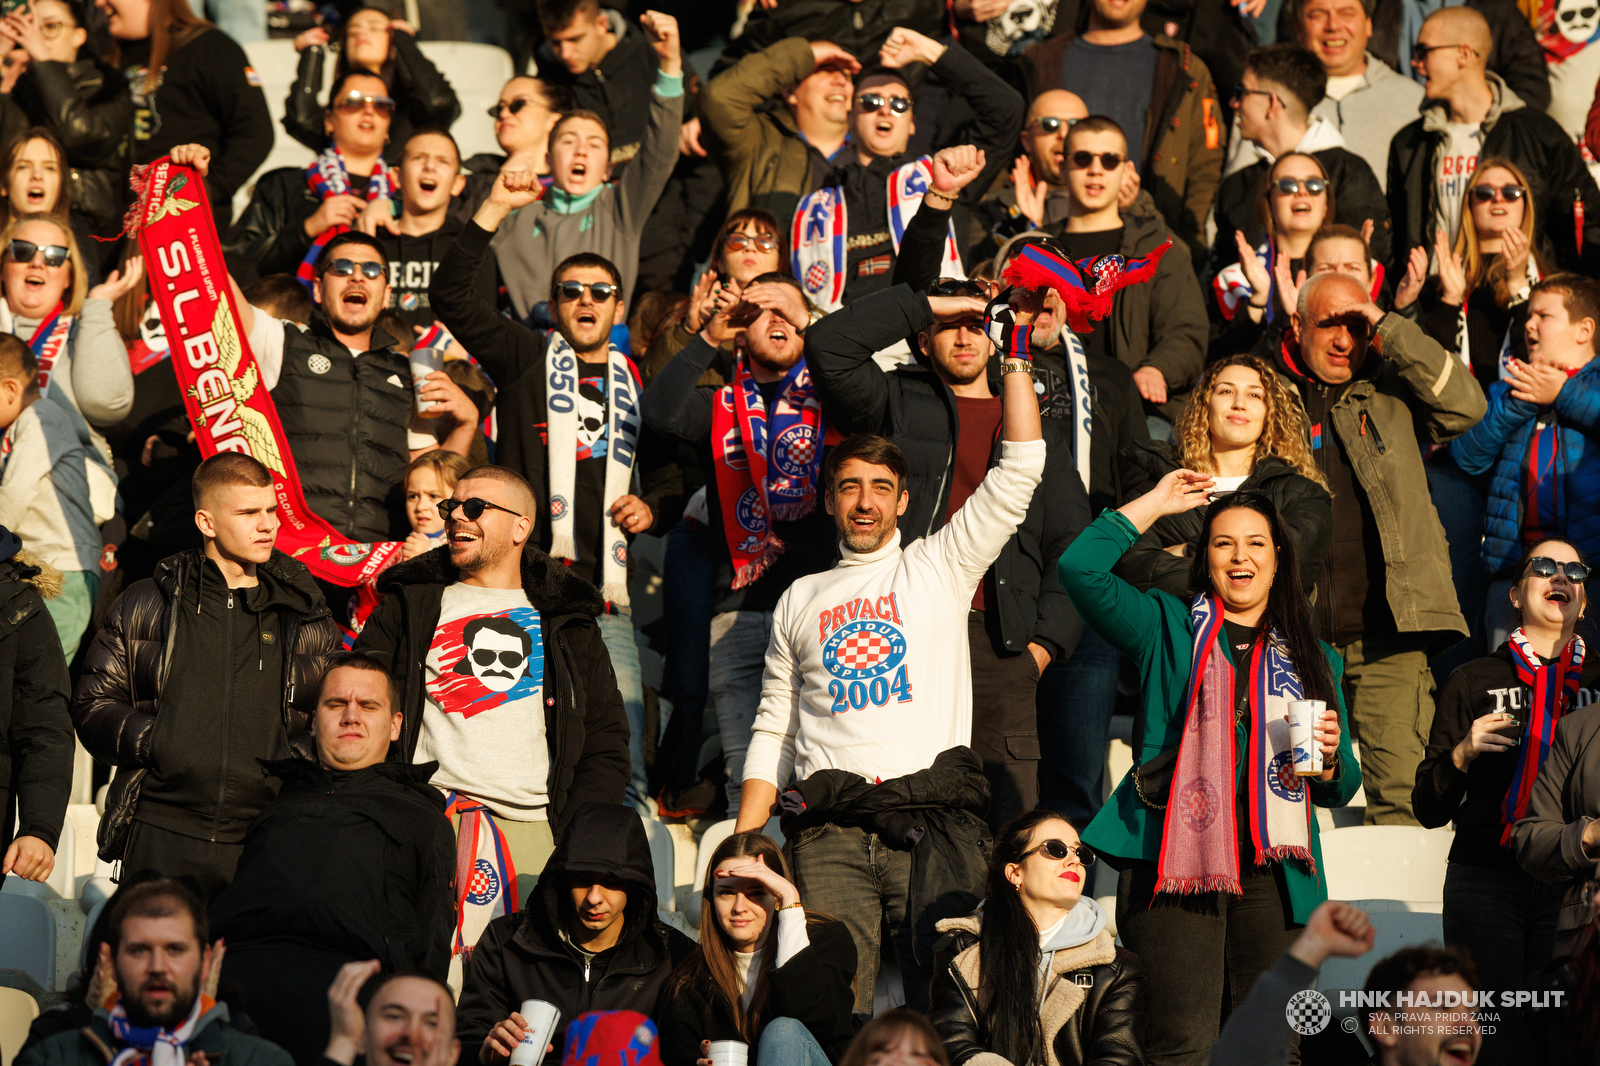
674,404
921,254
645,177
1450,398
198,156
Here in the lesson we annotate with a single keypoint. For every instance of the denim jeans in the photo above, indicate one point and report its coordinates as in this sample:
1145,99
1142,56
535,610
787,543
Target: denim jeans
738,659
787,1042
688,594
850,874
1507,920
617,632
1076,698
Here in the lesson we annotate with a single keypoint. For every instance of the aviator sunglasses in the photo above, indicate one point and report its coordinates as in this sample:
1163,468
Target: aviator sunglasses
343,268
1058,850
738,242
1544,566
472,509
1486,193
23,252
353,101
1290,186
874,101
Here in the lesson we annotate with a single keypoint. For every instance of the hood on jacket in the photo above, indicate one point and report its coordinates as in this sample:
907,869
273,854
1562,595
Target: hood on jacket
1436,113
1081,925
414,776
284,583
550,586
607,840
27,568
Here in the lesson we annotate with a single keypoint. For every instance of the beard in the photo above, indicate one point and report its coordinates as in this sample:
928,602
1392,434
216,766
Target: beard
143,1014
867,541
347,323
480,556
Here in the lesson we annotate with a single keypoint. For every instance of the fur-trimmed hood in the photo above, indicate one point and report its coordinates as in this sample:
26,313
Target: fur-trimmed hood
31,570
550,586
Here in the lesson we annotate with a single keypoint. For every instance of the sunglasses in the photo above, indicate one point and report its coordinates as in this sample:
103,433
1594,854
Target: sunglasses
1290,186
343,268
485,657
738,242
1420,52
1054,123
1544,566
875,101
1109,160
1240,92
515,107
1058,850
1487,193
23,252
959,287
472,509
573,290
353,101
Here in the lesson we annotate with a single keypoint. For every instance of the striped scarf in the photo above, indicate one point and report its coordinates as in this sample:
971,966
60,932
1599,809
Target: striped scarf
327,177
1554,688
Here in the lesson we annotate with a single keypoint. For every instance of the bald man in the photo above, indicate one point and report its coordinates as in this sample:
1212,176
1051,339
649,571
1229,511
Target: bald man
505,679
1468,114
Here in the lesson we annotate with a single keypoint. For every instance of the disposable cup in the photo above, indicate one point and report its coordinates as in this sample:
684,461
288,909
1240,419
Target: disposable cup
729,1053
424,361
542,1019
1303,716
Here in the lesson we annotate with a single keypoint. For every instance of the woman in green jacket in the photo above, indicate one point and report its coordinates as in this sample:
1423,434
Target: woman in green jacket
1215,882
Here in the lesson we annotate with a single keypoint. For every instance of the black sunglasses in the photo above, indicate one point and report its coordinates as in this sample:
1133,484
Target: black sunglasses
873,101
738,242
1109,160
1240,92
1058,850
485,657
1544,566
573,290
472,509
1054,123
959,287
343,268
515,107
1290,186
353,101
23,252
1486,193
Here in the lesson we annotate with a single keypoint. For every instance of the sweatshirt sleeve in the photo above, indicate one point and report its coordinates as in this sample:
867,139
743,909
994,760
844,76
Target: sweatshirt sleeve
675,405
966,546
1440,785
27,471
645,178
242,116
771,754
1545,843
102,380
792,935
1255,1034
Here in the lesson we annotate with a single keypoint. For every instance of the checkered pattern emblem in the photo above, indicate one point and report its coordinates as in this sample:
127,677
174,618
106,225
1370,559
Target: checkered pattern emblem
863,649
817,277
794,450
1309,1012
484,885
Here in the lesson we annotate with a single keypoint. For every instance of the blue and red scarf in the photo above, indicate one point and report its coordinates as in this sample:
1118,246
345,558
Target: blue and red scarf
767,463
327,177
151,1045
1199,844
486,878
1554,689
48,342
1544,483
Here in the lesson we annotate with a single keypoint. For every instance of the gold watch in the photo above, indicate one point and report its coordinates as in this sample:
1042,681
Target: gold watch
1016,366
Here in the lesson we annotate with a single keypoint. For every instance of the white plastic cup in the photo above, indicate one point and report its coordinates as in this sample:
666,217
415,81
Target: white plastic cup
542,1019
424,361
1303,717
729,1053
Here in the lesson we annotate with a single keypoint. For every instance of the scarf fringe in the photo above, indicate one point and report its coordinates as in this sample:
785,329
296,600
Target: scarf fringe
1190,886
1285,852
563,547
792,510
751,571
615,593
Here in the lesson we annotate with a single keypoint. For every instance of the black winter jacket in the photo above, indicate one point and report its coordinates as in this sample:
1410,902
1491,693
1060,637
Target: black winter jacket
118,700
421,94
270,235
1305,507
359,861
1515,55
35,731
584,724
527,955
89,110
1357,198
618,90
1092,1012
912,406
815,988
1535,142
860,28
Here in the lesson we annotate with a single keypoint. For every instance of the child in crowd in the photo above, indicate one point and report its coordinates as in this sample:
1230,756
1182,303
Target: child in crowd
44,489
431,477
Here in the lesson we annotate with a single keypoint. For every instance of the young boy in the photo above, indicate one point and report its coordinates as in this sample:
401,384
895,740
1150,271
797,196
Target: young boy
45,488
431,477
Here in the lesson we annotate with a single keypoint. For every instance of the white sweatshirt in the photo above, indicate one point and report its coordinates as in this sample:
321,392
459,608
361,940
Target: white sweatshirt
868,668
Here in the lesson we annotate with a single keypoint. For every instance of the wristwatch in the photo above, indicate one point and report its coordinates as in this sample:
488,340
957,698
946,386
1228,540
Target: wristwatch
1016,366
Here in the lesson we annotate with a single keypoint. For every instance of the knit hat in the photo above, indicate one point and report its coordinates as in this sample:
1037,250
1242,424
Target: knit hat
611,1038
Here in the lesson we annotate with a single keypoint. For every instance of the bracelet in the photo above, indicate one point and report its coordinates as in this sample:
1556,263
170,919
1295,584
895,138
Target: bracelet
1016,366
792,906
949,201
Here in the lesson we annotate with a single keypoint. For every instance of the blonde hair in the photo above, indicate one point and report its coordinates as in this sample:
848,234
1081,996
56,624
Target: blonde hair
78,288
1473,264
1282,430
446,466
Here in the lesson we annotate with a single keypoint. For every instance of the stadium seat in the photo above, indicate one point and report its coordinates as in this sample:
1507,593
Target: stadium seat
1387,862
27,936
17,1012
662,857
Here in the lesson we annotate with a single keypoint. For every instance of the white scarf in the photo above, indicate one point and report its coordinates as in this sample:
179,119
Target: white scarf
1082,402
561,411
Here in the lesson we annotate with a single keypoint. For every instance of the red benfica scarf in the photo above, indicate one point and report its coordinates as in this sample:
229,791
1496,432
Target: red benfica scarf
211,358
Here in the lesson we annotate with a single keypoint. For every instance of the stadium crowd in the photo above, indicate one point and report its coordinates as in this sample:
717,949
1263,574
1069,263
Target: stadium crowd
964,377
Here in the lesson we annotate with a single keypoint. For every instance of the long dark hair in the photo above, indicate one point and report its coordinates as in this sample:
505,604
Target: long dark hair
1288,613
342,65
1008,950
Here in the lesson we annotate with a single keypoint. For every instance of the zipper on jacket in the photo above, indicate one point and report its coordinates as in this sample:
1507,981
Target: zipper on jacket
1376,439
227,706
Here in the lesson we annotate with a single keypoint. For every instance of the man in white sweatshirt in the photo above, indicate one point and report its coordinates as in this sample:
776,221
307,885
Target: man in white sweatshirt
868,670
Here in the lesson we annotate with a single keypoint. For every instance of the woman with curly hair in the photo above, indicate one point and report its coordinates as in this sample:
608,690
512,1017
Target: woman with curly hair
1241,427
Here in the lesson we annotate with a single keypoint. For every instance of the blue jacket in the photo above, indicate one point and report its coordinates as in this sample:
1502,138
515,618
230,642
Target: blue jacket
1500,442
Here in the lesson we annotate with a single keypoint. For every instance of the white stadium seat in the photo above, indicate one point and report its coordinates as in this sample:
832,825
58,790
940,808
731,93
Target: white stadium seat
663,858
1391,862
17,1012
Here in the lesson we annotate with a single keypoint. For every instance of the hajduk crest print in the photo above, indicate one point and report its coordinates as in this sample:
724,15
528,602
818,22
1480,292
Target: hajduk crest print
864,649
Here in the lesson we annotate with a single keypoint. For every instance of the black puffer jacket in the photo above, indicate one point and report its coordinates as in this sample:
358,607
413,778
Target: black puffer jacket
528,956
421,94
1304,506
815,988
118,697
357,861
584,723
1092,1012
35,731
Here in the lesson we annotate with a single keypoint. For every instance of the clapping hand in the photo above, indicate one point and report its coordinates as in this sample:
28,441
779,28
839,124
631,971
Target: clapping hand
1031,195
119,282
347,1024
1410,286
1537,383
1452,277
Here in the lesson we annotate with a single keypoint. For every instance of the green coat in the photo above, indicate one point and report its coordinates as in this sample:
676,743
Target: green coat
213,1035
1152,628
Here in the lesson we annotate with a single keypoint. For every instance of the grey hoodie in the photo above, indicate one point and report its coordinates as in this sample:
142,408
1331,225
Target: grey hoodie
1370,116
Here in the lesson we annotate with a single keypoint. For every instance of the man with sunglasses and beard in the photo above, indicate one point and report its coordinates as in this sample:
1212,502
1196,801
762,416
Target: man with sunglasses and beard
344,394
515,760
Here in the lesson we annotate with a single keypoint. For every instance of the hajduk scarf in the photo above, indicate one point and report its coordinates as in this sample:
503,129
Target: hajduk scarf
622,435
1554,689
328,176
1012,341
819,240
216,370
767,463
1199,847
48,342
1232,288
486,876
151,1045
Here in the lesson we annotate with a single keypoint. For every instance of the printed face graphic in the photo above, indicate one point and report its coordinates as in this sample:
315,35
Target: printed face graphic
486,661
496,658
1577,19
1022,18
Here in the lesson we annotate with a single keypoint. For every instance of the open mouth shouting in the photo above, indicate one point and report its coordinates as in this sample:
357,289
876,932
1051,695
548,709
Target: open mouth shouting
401,1053
428,184
34,196
580,169
355,299
1300,207
883,127
586,317
1240,577
1554,594
1457,1049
